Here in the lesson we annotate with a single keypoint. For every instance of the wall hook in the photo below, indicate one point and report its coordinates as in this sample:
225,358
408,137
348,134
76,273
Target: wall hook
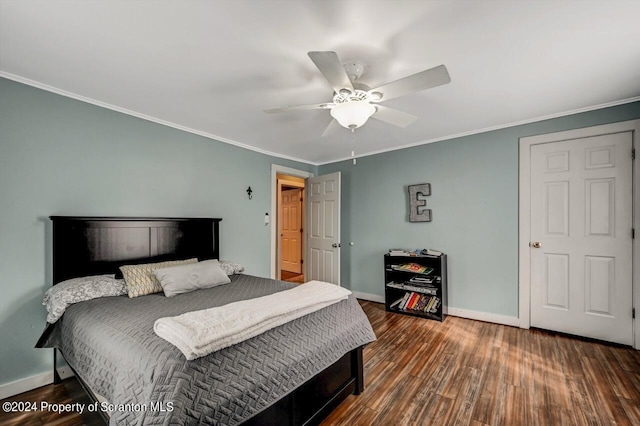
249,192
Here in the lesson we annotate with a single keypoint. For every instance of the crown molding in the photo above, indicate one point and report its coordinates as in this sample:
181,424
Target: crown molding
490,129
146,117
222,139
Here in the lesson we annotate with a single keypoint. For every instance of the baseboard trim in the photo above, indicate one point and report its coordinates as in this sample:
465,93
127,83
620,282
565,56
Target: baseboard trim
484,316
368,296
456,312
26,384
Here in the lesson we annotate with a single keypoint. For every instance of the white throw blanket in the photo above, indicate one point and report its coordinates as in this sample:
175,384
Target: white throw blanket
199,333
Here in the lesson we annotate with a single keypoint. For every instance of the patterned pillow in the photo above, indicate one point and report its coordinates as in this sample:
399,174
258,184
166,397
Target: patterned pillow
141,279
231,268
75,290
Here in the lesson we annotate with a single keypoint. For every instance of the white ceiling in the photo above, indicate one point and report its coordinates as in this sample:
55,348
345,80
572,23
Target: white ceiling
212,66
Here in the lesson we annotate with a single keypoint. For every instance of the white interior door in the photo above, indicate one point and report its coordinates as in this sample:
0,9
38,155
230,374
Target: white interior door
291,230
323,230
581,215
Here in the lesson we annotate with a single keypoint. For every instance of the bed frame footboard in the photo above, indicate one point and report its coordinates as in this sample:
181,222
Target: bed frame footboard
310,403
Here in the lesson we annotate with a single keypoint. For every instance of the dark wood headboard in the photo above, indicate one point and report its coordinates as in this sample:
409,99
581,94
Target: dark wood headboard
85,246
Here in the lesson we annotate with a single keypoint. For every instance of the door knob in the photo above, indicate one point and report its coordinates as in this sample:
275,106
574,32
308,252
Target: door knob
536,244
335,245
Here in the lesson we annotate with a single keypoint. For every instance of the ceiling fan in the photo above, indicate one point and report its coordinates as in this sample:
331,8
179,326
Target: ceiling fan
353,102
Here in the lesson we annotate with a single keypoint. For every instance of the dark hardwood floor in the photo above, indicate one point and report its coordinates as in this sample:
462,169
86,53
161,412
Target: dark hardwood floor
464,372
67,392
461,372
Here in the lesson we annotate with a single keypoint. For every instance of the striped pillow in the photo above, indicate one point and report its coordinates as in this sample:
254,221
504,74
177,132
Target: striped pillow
141,279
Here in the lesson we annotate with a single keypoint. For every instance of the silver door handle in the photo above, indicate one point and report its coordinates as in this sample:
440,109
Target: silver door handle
536,244
335,245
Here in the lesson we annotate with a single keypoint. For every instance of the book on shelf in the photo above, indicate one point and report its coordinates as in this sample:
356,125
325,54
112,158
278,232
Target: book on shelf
399,252
423,289
396,303
413,267
422,303
431,252
435,306
414,301
407,301
416,252
403,302
430,305
421,280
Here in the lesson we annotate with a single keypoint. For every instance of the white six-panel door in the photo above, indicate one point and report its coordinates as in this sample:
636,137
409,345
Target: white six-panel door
291,230
323,230
581,215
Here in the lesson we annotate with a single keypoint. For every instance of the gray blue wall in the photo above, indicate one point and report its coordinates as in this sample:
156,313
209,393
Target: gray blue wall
474,202
64,157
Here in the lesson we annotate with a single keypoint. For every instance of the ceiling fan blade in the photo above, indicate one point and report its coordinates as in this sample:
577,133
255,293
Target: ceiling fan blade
393,116
330,128
297,107
414,83
330,66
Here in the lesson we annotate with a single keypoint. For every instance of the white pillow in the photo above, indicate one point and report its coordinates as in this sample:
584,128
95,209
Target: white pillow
186,278
231,268
75,290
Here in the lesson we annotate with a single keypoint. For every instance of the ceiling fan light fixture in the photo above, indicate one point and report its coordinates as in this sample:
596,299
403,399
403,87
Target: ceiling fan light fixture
354,102
352,115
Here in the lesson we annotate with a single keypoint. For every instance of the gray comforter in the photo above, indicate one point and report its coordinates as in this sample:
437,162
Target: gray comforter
110,342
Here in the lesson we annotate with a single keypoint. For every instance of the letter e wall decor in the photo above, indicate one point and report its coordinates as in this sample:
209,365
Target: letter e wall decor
417,210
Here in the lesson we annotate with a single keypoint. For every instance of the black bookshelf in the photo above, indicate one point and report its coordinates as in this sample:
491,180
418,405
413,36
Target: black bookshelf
415,292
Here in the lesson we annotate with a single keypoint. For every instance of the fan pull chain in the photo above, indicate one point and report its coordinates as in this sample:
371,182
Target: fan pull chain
353,152
353,147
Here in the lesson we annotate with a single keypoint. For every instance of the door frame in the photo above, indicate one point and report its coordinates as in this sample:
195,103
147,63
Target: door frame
524,213
275,169
297,185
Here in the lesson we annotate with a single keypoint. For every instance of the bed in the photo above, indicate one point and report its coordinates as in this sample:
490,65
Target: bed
294,374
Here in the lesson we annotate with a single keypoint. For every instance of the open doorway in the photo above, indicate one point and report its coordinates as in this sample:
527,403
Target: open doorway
288,233
290,226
